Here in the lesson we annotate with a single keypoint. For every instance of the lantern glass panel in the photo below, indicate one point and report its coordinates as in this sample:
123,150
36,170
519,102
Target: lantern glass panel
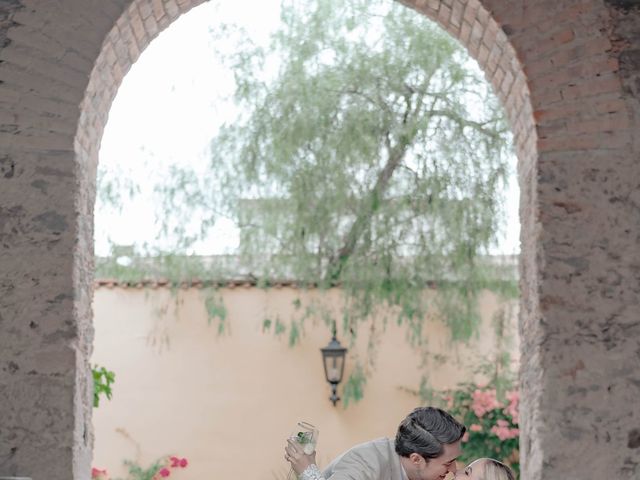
334,365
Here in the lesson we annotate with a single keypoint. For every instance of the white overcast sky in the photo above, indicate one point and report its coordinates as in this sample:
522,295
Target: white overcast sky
167,110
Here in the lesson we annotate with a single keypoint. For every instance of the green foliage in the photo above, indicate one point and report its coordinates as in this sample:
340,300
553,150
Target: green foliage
216,309
162,468
102,381
294,333
137,472
353,390
361,163
368,154
131,265
280,327
266,325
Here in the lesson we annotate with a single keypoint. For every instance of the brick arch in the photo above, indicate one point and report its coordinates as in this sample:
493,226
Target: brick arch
133,31
567,73
469,21
478,31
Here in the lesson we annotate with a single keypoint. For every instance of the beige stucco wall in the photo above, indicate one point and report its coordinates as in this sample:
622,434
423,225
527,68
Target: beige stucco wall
227,402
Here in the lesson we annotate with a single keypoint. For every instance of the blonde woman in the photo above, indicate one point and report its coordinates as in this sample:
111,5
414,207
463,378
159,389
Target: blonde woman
485,469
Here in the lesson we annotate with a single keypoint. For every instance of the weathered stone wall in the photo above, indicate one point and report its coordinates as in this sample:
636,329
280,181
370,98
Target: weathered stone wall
47,51
567,72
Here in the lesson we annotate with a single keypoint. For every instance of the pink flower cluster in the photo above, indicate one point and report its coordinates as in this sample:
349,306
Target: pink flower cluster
512,409
175,463
164,472
484,401
503,431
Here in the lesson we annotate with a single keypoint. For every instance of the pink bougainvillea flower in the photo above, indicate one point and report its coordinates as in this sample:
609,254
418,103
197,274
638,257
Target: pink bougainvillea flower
503,432
484,401
500,432
175,461
183,462
513,397
98,474
164,472
475,427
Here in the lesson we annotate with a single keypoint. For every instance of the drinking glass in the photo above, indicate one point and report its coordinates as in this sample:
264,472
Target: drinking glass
307,436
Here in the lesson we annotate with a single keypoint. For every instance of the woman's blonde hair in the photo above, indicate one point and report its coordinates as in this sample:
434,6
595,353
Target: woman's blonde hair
495,470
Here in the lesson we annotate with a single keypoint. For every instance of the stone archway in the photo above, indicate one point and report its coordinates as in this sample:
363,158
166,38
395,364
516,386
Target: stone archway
566,72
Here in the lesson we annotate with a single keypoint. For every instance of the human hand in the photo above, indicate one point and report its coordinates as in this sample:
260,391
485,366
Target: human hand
294,454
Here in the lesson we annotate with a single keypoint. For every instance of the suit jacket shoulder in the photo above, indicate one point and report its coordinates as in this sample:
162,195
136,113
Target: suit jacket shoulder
374,460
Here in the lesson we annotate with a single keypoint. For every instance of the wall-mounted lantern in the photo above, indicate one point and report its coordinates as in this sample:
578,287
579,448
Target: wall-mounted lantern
333,356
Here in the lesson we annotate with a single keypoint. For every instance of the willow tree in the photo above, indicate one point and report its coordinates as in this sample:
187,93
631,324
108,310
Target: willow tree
367,154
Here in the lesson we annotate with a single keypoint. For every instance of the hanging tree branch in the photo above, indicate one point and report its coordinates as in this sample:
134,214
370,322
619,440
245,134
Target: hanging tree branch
356,162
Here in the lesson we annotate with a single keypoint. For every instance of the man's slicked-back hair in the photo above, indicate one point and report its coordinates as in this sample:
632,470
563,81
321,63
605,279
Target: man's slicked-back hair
425,431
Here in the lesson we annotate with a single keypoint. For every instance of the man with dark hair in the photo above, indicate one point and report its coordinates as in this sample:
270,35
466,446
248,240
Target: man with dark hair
426,447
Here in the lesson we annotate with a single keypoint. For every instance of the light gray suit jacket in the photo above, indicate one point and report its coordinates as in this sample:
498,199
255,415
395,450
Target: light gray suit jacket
374,460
